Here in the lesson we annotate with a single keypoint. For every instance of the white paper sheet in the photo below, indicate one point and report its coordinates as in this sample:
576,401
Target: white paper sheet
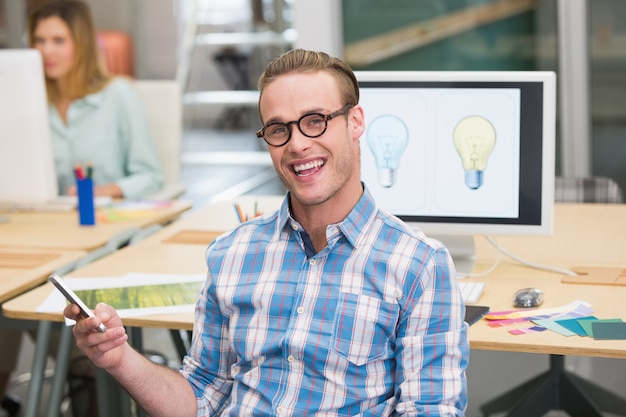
55,302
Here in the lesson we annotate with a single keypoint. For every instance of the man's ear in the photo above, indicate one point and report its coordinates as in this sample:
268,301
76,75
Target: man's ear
357,121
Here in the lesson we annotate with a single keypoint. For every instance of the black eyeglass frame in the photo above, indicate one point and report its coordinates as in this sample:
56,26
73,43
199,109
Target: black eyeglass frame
326,117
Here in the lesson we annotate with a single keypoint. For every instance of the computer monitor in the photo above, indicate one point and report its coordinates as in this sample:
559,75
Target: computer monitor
459,154
27,173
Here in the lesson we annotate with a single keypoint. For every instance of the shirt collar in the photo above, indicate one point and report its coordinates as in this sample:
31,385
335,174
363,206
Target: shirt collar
91,100
76,109
351,227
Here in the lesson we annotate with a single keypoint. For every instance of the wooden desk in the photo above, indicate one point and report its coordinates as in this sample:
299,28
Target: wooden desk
23,269
607,302
60,230
142,257
163,252
586,224
201,226
583,235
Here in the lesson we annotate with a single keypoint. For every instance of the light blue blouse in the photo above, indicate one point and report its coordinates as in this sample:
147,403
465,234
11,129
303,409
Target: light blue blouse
110,131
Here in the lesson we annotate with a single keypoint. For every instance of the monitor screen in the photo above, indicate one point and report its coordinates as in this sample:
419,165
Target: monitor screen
461,153
27,173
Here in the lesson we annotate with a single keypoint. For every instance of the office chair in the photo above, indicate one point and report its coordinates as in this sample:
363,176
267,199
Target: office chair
117,51
587,190
162,101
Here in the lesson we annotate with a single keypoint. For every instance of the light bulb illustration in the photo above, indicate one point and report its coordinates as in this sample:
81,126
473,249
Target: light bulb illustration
387,137
474,139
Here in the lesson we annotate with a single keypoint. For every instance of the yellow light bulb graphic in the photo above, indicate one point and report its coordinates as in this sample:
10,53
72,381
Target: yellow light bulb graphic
474,139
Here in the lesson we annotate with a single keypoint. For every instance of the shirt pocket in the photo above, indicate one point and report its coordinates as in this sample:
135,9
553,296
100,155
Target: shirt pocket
363,328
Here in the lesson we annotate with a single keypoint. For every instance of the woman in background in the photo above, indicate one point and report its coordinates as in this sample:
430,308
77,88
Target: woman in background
95,119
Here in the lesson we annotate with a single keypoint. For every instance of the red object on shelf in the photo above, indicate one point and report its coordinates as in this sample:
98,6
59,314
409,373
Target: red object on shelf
117,52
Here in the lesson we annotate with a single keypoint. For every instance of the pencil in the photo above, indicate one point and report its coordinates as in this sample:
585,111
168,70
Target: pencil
78,172
238,212
241,215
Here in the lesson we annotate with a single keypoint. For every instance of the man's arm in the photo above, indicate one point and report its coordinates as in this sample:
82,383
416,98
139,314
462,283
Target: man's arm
160,391
433,348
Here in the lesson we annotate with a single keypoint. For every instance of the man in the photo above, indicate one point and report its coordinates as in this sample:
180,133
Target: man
326,307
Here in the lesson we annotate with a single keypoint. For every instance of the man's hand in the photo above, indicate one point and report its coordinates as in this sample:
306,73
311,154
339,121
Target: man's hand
106,349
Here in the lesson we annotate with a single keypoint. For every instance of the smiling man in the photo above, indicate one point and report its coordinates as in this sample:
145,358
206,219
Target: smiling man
316,155
328,306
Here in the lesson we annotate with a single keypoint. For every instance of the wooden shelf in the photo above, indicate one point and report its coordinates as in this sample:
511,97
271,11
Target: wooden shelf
396,42
267,38
227,97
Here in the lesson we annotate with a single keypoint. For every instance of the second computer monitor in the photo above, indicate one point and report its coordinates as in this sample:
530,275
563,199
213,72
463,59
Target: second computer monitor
461,153
27,174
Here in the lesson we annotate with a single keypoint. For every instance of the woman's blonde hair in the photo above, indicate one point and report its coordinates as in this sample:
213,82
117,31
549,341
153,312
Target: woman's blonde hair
300,60
88,74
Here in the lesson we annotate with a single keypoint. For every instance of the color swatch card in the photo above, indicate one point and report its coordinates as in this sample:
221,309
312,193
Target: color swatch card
608,330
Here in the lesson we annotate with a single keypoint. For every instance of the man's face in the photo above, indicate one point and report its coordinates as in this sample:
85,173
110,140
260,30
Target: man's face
322,169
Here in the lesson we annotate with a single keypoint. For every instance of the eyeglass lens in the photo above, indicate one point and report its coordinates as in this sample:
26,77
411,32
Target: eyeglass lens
311,125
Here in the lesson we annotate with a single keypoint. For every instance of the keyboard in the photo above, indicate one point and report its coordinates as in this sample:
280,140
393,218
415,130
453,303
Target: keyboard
471,291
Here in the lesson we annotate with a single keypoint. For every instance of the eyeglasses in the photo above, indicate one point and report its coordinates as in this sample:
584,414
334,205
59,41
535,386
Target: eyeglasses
311,125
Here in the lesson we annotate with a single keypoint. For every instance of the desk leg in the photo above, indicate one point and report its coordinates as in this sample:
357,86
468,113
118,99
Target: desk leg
112,399
556,389
573,385
182,346
38,369
57,390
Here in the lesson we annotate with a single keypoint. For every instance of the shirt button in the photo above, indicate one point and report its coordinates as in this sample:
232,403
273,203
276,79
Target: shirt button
290,358
294,226
280,410
312,261
300,310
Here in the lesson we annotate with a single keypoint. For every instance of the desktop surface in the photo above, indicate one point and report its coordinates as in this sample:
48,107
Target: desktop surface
143,257
60,230
585,224
584,234
23,269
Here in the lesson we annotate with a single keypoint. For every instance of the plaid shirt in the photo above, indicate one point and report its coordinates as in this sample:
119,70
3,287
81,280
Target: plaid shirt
371,325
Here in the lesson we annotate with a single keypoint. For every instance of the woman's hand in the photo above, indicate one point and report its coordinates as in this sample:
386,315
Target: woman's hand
106,190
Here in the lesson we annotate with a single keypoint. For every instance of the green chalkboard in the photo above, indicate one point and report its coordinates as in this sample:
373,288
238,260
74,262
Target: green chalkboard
506,42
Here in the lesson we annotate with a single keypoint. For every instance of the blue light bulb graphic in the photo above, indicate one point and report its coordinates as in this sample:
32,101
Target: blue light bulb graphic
387,137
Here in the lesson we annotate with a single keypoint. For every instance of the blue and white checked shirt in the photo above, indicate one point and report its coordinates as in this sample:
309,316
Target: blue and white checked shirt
371,325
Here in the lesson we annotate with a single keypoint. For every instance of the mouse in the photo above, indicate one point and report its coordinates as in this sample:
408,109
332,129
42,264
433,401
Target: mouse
528,297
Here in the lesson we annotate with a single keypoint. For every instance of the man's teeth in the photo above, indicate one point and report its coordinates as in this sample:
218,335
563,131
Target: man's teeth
308,165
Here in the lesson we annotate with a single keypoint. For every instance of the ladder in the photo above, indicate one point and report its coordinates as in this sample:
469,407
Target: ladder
241,37
239,48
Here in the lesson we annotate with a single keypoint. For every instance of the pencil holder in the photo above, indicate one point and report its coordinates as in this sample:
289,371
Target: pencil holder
86,208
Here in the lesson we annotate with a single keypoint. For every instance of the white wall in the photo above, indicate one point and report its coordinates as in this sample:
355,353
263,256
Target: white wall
153,27
318,24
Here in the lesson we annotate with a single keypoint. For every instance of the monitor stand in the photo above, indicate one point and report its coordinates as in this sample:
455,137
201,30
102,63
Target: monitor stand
461,249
